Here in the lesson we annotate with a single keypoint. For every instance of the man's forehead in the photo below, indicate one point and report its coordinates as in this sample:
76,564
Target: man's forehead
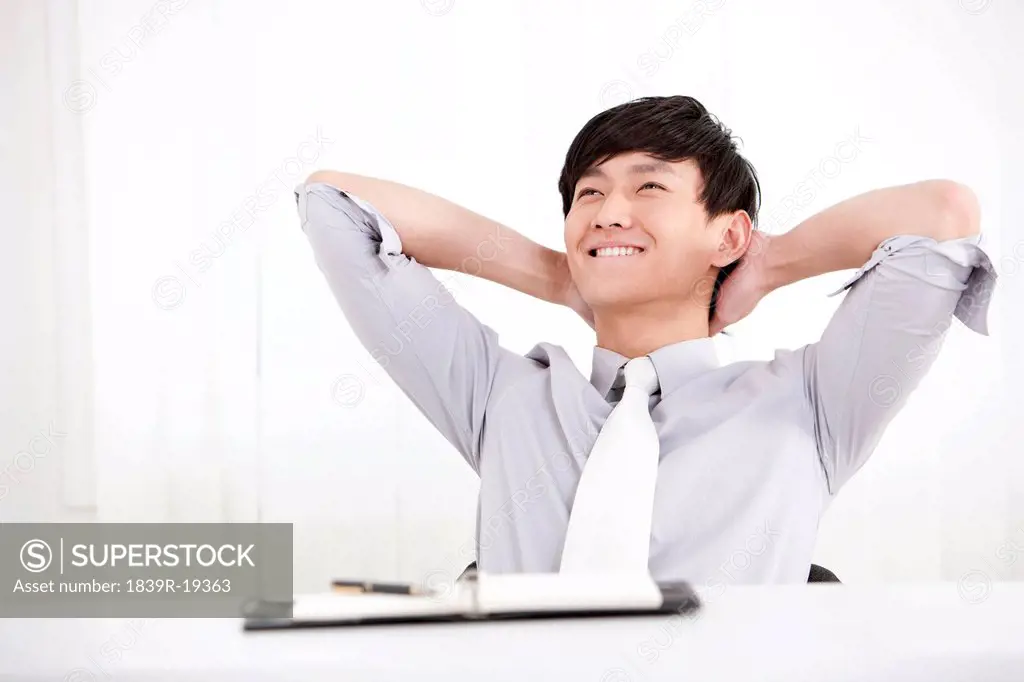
639,163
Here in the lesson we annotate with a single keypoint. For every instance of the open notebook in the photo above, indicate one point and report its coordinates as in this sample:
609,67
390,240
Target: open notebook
486,597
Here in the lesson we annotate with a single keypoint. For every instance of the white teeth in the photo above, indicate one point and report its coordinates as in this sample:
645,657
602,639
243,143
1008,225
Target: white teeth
618,251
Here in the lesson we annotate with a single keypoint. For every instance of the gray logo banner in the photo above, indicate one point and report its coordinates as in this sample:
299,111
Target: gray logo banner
159,570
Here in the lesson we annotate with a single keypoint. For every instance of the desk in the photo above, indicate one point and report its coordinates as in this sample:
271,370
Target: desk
926,632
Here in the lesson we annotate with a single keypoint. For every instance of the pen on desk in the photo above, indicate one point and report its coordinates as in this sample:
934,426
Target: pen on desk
366,587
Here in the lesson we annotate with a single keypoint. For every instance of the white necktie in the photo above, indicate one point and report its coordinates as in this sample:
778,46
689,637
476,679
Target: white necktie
610,522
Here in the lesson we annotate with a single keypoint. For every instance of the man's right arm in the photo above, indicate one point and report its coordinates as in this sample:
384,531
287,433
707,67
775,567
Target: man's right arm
443,358
441,234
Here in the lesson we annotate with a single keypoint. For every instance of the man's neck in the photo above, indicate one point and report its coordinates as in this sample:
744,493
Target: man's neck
638,330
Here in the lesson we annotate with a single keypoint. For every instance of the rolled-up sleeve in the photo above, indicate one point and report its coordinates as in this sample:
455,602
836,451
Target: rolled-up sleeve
437,353
885,336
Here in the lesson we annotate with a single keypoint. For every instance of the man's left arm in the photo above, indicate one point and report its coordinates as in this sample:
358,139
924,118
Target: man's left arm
919,264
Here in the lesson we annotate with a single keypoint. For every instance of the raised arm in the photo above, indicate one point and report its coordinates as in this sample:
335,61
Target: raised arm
373,241
845,235
444,235
919,264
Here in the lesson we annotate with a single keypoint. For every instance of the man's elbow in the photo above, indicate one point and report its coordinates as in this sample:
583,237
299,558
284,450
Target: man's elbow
959,210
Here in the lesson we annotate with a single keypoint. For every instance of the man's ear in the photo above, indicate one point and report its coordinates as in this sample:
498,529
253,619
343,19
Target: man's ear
735,230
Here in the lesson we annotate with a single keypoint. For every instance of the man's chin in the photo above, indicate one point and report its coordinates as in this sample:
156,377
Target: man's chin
615,301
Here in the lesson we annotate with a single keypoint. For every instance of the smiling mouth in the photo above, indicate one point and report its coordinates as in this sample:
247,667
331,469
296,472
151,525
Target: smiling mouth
616,252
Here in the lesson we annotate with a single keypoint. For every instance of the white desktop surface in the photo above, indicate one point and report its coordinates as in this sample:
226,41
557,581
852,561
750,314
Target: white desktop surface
926,632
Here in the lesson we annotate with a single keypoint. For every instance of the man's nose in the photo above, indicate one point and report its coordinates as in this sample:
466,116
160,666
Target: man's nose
615,212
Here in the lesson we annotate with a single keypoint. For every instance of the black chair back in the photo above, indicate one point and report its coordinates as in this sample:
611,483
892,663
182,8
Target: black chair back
820,574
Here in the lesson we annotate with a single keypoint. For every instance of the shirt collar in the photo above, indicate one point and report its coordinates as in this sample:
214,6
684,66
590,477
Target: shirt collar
675,364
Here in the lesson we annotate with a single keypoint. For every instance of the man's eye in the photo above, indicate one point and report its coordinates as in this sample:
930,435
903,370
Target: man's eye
584,192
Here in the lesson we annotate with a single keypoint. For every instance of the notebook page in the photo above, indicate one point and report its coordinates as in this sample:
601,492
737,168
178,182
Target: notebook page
555,592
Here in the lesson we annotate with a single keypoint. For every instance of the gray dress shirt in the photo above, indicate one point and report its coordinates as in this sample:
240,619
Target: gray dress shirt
751,452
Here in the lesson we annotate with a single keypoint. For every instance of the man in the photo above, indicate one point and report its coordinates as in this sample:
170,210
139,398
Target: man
749,454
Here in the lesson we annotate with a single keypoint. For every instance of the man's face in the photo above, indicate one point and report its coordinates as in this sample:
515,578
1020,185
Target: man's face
638,200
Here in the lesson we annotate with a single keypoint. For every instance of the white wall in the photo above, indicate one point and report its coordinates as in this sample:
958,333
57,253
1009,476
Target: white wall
226,386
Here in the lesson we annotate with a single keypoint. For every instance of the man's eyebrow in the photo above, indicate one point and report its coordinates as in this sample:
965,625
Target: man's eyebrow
635,169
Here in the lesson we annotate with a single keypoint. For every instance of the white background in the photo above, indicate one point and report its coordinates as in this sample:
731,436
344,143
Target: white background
230,388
